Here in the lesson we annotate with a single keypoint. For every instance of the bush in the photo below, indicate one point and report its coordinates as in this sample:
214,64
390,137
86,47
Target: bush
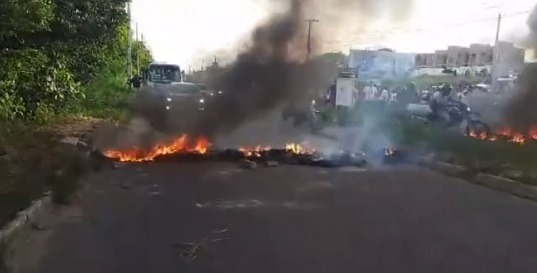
53,62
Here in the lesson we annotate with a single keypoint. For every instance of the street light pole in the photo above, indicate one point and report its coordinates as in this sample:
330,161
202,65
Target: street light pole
310,23
495,56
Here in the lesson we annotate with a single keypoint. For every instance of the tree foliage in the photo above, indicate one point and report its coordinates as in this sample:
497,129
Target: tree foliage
58,54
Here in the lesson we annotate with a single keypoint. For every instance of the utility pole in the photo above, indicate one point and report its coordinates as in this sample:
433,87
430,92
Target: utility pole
129,43
310,23
495,57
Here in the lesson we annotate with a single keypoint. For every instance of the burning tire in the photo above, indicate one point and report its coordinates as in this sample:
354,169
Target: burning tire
477,127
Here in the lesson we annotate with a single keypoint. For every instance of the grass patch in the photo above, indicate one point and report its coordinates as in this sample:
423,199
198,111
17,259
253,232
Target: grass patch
32,162
499,157
32,158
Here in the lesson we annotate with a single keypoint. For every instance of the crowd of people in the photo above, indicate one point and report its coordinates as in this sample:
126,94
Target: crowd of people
372,92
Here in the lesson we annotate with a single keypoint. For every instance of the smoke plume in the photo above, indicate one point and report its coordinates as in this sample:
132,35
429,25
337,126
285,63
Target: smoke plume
520,112
532,25
275,69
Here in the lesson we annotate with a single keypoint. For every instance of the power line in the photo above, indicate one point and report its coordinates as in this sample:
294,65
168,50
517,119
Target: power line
380,34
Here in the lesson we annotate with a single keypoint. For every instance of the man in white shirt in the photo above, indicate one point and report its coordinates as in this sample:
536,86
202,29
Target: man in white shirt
369,92
385,95
439,100
375,92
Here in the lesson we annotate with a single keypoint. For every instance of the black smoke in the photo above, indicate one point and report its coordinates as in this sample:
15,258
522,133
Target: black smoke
271,71
275,70
520,112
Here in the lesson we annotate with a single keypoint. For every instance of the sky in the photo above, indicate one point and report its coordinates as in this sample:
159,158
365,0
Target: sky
186,32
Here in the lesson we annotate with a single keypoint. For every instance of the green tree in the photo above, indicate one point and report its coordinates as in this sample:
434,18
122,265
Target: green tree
140,49
63,55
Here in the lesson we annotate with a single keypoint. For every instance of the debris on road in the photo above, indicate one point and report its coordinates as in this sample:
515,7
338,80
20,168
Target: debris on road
231,204
119,165
256,204
247,164
190,250
38,226
221,230
271,164
352,169
70,140
155,193
249,158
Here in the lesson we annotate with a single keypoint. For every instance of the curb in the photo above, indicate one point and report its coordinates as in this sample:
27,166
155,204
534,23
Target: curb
28,215
507,185
24,217
488,180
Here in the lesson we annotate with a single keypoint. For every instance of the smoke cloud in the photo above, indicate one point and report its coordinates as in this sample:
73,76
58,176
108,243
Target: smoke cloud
274,69
520,112
532,25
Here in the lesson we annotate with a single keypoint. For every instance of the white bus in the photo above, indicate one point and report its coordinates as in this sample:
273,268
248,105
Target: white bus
162,73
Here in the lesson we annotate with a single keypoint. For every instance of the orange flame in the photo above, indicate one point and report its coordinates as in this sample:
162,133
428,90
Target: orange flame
296,148
184,145
179,145
291,148
508,135
255,151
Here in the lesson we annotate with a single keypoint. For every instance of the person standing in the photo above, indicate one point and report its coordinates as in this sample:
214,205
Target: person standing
384,95
369,92
375,91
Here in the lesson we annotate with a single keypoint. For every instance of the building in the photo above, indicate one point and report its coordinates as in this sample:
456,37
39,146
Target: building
465,60
510,59
475,55
381,64
425,60
440,58
457,56
481,54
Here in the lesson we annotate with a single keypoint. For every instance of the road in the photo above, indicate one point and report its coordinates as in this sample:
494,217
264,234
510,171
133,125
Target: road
290,219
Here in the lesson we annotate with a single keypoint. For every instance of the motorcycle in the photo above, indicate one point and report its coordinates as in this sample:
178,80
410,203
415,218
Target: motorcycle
311,117
315,121
459,114
470,122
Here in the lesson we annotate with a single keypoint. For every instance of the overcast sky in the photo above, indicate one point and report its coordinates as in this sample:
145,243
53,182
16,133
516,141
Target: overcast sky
180,31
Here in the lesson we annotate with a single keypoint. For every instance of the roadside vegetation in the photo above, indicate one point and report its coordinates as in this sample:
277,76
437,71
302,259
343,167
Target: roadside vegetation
63,69
500,157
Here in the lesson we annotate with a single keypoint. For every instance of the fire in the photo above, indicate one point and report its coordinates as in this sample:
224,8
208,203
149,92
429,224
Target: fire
258,150
179,145
391,151
298,149
255,151
509,135
184,144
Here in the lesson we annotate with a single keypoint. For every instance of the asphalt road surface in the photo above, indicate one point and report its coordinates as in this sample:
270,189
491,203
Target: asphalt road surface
284,219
